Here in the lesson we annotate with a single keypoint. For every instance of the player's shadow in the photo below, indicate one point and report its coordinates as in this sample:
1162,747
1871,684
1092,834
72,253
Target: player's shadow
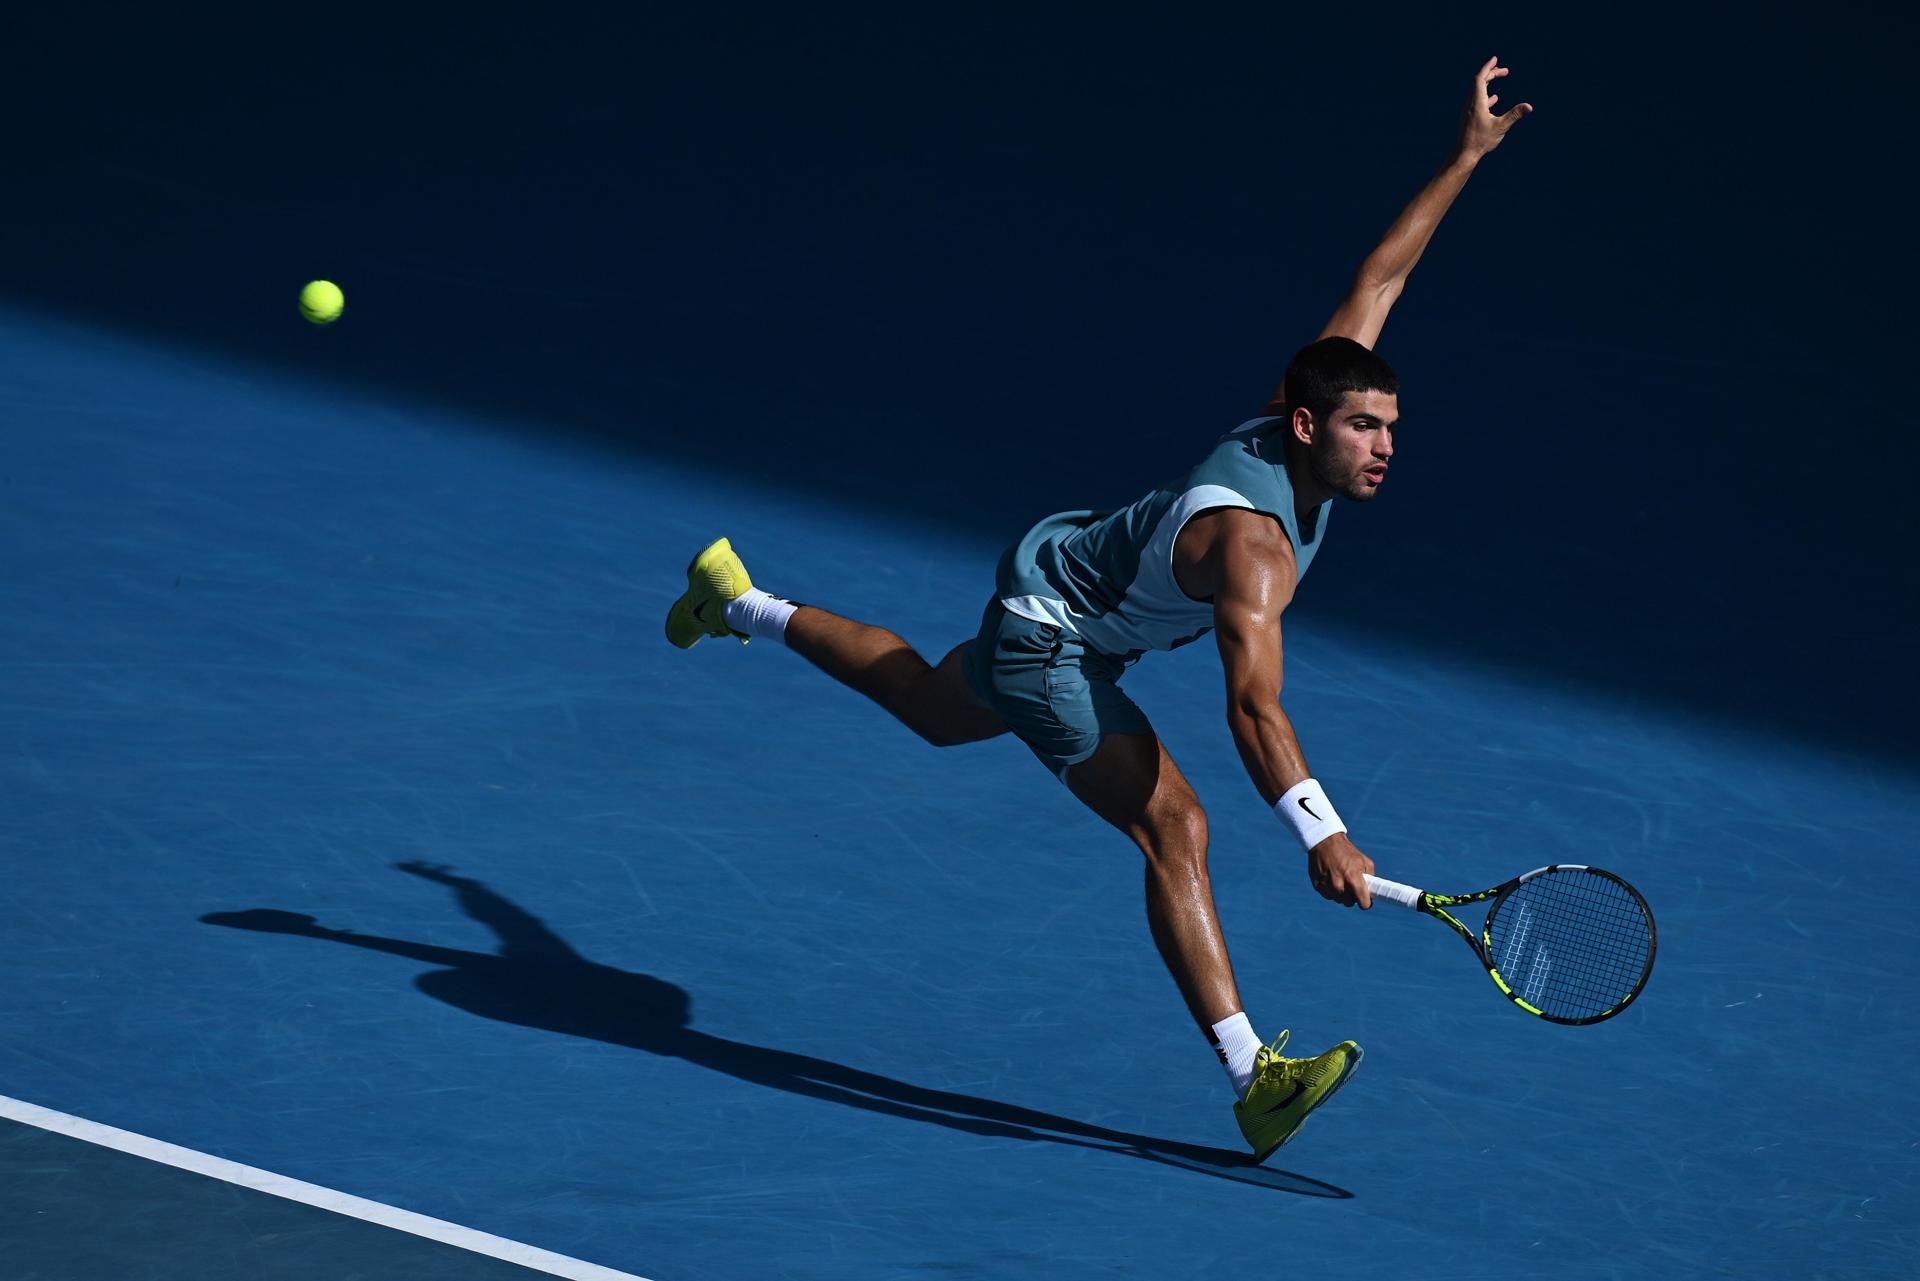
536,980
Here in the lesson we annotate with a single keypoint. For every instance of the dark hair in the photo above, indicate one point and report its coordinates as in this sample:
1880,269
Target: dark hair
1322,373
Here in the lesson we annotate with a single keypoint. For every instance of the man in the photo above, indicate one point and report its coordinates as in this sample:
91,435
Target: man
1084,594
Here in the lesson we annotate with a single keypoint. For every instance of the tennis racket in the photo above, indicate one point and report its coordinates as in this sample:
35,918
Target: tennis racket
1570,944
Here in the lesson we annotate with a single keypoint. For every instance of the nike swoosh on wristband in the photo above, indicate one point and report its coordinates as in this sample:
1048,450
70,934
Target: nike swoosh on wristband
1303,805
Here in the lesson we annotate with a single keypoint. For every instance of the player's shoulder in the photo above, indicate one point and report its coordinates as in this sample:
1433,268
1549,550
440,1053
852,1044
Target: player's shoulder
1248,533
1239,521
1235,548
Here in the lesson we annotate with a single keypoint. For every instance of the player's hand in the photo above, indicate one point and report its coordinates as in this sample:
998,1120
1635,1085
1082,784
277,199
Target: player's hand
1480,130
1339,870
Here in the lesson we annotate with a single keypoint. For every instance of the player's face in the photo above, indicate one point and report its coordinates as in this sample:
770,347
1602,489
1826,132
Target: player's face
1350,454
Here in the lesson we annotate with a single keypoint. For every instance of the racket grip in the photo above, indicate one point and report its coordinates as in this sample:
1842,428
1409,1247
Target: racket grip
1394,892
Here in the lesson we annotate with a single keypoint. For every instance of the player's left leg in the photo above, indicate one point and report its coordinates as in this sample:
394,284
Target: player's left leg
933,702
936,703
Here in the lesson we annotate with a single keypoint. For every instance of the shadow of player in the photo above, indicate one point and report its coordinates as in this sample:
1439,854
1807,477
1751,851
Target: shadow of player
536,980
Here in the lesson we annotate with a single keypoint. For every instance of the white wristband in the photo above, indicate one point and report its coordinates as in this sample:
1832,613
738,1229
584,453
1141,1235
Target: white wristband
1306,809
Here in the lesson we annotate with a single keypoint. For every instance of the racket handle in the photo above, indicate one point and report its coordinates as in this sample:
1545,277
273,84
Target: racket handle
1394,892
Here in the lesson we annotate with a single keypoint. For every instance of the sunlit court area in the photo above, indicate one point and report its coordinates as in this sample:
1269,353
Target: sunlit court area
409,873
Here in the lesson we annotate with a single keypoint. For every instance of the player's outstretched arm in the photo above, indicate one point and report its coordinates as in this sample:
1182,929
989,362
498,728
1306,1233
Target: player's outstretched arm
1385,271
1250,574
1377,285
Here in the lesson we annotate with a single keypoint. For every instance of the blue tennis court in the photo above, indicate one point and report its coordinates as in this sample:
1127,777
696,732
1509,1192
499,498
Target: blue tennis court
364,832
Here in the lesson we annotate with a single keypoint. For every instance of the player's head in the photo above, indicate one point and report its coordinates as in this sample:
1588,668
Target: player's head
1343,401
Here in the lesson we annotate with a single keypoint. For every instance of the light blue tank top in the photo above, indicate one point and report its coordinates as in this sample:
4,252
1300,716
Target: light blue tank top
1108,576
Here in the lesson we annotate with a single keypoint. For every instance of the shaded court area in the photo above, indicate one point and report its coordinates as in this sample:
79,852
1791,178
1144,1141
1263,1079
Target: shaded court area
364,830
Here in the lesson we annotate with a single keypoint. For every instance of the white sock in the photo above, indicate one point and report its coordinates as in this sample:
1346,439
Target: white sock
759,614
1235,1043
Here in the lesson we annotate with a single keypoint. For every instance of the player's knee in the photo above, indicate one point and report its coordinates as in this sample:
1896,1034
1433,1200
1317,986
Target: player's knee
1177,839
938,735
925,718
918,708
936,726
944,714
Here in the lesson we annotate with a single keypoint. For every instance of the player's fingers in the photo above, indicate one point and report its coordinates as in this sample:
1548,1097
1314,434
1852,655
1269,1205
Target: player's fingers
1362,894
1514,114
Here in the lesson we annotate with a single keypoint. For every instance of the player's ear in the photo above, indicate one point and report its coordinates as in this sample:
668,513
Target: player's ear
1303,425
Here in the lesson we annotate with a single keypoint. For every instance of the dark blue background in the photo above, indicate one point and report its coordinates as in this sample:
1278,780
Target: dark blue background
987,264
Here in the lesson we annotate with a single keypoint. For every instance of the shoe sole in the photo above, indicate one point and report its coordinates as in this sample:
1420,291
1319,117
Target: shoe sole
683,598
1353,1061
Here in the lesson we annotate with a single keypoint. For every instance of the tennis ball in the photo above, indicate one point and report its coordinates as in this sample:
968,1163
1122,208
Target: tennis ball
322,302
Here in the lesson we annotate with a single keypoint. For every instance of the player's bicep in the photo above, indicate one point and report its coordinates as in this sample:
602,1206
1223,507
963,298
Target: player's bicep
1363,313
1255,585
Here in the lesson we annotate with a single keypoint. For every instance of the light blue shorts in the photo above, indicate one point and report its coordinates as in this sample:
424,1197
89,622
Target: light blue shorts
1057,695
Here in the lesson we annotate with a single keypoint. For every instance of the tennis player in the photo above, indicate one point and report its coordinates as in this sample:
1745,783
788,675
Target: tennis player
1083,595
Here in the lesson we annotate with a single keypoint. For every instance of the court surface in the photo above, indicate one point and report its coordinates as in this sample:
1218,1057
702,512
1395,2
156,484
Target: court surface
363,829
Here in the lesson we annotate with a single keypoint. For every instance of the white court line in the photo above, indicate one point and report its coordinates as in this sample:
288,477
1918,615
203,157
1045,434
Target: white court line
246,1176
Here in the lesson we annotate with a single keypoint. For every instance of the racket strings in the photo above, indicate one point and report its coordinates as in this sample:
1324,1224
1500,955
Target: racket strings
1572,943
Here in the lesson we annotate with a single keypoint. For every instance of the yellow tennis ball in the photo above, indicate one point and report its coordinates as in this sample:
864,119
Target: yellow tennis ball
322,302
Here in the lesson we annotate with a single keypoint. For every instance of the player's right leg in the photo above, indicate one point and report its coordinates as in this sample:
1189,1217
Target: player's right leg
1133,783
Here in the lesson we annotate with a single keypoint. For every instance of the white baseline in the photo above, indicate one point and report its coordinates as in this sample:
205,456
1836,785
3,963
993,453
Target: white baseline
246,1176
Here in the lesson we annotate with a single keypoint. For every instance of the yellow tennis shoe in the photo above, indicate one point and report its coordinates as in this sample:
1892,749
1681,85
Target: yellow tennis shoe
1285,1090
715,577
